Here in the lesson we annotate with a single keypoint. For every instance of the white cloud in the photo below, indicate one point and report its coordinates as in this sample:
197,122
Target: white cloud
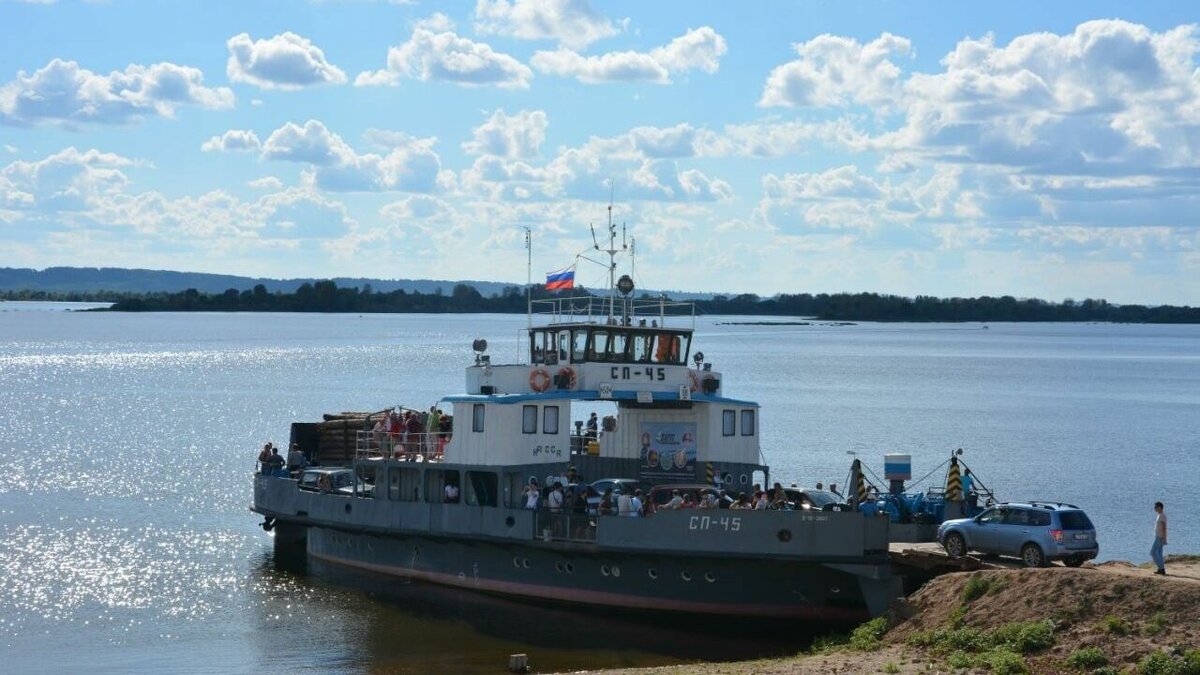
429,56
519,135
698,49
68,180
435,23
266,183
422,207
312,143
411,164
234,140
11,149
286,61
573,23
63,93
835,70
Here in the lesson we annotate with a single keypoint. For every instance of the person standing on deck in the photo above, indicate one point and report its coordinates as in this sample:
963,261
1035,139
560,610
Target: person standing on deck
263,458
592,426
432,427
1160,539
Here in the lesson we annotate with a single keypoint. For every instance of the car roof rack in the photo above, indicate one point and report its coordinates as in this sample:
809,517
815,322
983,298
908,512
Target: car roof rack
1047,504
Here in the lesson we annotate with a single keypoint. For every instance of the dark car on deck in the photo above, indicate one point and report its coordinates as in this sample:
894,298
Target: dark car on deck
339,481
815,500
1037,532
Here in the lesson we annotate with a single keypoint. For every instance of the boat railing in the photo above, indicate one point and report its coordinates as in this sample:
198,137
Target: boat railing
618,311
401,445
565,526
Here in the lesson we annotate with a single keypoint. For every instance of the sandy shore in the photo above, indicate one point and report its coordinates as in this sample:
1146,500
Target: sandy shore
1116,609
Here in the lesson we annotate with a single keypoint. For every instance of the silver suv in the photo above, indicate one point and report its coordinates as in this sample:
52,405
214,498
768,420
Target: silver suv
1037,532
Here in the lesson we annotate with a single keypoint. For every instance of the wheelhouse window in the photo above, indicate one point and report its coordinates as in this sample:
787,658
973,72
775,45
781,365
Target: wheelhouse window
550,419
728,422
747,422
618,346
643,348
477,418
672,348
529,419
579,341
598,346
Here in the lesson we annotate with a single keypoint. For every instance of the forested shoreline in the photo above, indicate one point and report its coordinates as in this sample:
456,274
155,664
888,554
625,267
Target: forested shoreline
327,296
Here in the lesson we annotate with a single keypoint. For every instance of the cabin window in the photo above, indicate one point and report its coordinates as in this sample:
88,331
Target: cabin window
514,486
551,348
578,345
550,419
747,422
481,488
477,418
643,348
618,347
394,485
529,419
404,485
435,487
728,422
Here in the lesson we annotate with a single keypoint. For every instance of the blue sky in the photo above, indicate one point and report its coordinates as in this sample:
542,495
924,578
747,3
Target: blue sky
943,148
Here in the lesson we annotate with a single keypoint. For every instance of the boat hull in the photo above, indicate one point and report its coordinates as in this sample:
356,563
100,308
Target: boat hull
587,575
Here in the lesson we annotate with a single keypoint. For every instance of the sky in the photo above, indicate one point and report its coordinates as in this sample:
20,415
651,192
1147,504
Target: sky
1031,149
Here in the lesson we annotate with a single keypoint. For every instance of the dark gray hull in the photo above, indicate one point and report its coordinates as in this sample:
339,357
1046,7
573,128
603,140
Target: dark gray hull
586,575
817,566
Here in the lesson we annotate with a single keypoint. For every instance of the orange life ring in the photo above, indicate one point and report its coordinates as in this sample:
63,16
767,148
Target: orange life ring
569,373
539,379
693,381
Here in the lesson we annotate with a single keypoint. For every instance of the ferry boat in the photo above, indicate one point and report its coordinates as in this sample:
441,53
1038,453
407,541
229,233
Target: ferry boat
451,508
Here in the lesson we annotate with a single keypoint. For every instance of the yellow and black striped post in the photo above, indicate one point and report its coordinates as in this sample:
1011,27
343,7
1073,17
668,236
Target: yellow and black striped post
954,491
860,482
708,473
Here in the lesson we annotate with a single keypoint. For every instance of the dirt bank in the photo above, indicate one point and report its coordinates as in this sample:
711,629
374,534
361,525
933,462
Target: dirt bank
1109,618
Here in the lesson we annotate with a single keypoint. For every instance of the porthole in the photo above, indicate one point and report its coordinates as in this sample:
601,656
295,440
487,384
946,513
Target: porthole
616,571
569,567
510,521
835,590
652,573
370,546
525,563
558,566
604,570
744,479
710,577
784,536
685,575
516,562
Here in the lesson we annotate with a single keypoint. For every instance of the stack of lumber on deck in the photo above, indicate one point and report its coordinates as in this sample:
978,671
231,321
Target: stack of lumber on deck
338,434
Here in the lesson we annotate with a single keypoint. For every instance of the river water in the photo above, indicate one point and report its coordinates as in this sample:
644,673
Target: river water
127,442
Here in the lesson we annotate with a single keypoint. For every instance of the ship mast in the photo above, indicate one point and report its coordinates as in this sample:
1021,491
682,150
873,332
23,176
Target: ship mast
612,252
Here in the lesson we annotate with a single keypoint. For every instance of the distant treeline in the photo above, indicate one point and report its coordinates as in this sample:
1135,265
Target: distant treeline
327,296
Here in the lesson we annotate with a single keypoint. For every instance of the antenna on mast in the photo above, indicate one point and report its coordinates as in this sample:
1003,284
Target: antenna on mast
594,242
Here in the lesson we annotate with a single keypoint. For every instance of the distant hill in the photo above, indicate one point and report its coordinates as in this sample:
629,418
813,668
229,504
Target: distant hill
122,280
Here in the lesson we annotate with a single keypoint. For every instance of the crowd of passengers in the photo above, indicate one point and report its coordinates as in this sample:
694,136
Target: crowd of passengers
411,433
572,497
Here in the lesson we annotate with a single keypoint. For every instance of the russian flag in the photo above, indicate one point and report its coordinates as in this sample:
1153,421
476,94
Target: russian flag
564,278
